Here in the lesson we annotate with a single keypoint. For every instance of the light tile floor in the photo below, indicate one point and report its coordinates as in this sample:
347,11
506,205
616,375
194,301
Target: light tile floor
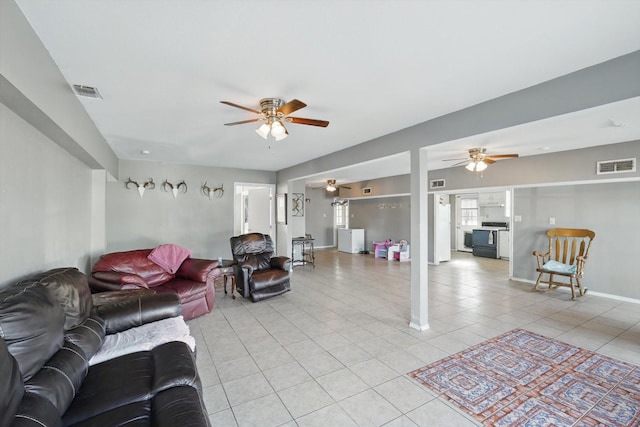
336,349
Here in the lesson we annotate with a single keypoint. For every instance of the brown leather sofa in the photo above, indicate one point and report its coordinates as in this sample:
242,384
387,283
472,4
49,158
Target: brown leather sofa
50,330
259,274
192,282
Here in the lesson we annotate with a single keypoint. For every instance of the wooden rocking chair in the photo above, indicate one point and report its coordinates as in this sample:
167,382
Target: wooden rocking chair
566,257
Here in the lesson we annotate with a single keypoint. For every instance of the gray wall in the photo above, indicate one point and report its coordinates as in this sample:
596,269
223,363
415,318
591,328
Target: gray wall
392,185
382,218
53,160
384,213
318,214
191,219
45,203
610,209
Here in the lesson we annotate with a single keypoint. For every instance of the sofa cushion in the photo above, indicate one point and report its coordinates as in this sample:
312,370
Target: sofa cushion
131,415
132,378
60,377
133,262
262,279
31,323
70,288
36,411
174,406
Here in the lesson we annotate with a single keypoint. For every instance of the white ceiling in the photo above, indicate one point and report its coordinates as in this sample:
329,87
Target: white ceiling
369,67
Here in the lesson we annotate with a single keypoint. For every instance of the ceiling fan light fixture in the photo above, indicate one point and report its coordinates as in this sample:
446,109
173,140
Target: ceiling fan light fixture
281,136
277,129
263,130
331,185
476,166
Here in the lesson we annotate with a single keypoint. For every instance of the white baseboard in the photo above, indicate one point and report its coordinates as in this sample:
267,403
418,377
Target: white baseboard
591,292
419,327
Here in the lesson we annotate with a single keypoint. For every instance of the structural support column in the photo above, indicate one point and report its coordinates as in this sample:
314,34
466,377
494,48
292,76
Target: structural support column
419,240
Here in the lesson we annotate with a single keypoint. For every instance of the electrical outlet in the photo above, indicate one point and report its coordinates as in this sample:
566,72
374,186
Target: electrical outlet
517,218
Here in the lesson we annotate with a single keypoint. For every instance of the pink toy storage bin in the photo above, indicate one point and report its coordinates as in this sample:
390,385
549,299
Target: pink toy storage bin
380,249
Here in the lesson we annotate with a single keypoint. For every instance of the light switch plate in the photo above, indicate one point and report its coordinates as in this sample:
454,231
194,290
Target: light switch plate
517,218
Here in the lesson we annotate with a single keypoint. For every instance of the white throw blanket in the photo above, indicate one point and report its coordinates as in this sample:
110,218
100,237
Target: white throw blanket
143,338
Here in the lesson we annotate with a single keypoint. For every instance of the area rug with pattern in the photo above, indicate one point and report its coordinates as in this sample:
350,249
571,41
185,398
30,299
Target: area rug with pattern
524,379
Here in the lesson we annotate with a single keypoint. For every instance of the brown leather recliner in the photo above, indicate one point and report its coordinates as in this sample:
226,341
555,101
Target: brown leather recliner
259,274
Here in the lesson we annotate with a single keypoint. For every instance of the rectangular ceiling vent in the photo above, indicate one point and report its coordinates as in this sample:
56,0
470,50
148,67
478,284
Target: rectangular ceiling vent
88,91
366,190
616,166
436,183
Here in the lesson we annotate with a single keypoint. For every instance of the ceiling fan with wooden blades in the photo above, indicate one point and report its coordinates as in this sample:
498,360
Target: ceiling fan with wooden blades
274,113
479,159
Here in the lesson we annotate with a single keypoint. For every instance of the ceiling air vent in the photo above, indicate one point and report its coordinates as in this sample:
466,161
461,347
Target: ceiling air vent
616,166
88,91
436,183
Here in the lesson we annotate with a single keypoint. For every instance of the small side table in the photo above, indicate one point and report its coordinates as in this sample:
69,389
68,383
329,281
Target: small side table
305,250
228,273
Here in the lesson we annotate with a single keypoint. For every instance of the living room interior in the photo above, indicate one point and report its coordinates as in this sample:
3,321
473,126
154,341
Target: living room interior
564,98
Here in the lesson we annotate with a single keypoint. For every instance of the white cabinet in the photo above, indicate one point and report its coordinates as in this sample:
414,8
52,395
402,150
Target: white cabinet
504,241
351,240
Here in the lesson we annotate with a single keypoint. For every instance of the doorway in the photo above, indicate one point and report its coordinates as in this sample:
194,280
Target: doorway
254,209
467,214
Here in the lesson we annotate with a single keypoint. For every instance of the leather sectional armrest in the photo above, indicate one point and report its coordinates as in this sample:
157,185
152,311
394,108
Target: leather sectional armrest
198,270
123,315
281,262
101,286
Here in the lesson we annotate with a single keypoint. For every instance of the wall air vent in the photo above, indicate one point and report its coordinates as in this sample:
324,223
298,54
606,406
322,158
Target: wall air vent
366,190
87,91
616,166
436,183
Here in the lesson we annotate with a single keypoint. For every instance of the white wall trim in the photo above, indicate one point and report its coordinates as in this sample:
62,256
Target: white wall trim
535,185
594,293
380,196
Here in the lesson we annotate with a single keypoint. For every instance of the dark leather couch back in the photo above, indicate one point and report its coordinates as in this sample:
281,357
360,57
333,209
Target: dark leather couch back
31,324
11,388
255,249
70,288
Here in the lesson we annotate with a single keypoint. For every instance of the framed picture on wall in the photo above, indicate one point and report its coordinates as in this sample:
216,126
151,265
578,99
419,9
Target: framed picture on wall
281,208
297,204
